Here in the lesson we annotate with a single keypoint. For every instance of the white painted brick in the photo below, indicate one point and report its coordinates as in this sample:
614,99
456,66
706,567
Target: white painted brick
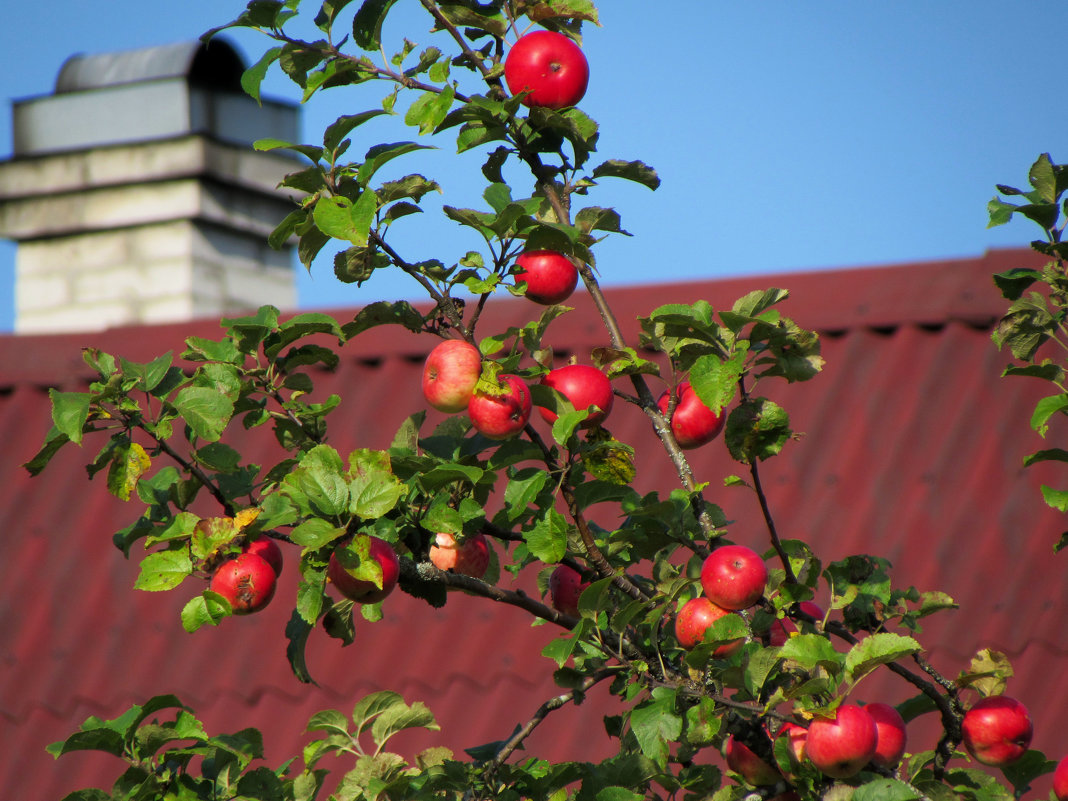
39,292
74,318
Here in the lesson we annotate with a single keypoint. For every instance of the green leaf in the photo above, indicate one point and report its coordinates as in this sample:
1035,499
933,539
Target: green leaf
811,651
618,794
999,212
315,533
1025,327
607,459
96,739
128,465
876,650
375,494
206,609
702,722
1057,499
148,376
207,411
715,380
622,361
252,78
881,789
595,218
384,313
1043,178
379,155
467,14
357,264
400,717
371,706
1047,370
367,24
656,724
70,411
1013,283
1049,455
547,538
1023,771
430,109
629,170
343,126
53,442
1045,409
757,429
163,570
340,218
297,631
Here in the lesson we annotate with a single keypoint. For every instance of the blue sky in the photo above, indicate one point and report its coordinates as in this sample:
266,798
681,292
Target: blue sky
788,136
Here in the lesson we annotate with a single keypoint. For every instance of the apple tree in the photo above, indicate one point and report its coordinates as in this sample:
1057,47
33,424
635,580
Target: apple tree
714,648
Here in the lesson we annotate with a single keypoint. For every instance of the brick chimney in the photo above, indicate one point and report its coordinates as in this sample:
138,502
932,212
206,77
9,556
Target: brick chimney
135,197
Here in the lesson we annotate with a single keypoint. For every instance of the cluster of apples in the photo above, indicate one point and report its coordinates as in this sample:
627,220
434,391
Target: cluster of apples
996,730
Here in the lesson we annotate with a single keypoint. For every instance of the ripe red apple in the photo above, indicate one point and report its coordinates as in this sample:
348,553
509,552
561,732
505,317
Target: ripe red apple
551,277
693,620
501,416
565,586
450,374
549,65
744,761
692,423
246,581
584,386
797,735
361,590
842,746
892,736
997,730
471,558
268,549
734,577
1060,780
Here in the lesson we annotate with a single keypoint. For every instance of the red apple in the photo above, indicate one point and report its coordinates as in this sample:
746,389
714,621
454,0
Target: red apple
892,736
842,746
1060,780
548,65
692,423
362,590
565,586
797,736
268,549
694,618
584,386
450,374
246,581
734,577
471,558
997,730
501,416
551,277
744,761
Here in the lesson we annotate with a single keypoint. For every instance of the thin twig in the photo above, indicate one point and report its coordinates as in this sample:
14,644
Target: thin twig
542,712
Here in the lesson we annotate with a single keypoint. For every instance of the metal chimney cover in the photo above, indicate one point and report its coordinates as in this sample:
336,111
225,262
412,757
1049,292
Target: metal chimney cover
216,65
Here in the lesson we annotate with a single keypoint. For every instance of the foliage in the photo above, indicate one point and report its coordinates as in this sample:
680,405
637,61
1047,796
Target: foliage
163,433
1035,320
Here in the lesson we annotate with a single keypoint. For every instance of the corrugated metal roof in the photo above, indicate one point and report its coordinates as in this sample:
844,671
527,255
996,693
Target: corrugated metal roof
912,450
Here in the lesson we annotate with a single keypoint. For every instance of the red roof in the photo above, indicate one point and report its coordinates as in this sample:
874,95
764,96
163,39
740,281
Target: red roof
912,450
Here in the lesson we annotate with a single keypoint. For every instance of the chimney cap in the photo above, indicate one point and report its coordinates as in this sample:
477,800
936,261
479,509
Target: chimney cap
216,65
